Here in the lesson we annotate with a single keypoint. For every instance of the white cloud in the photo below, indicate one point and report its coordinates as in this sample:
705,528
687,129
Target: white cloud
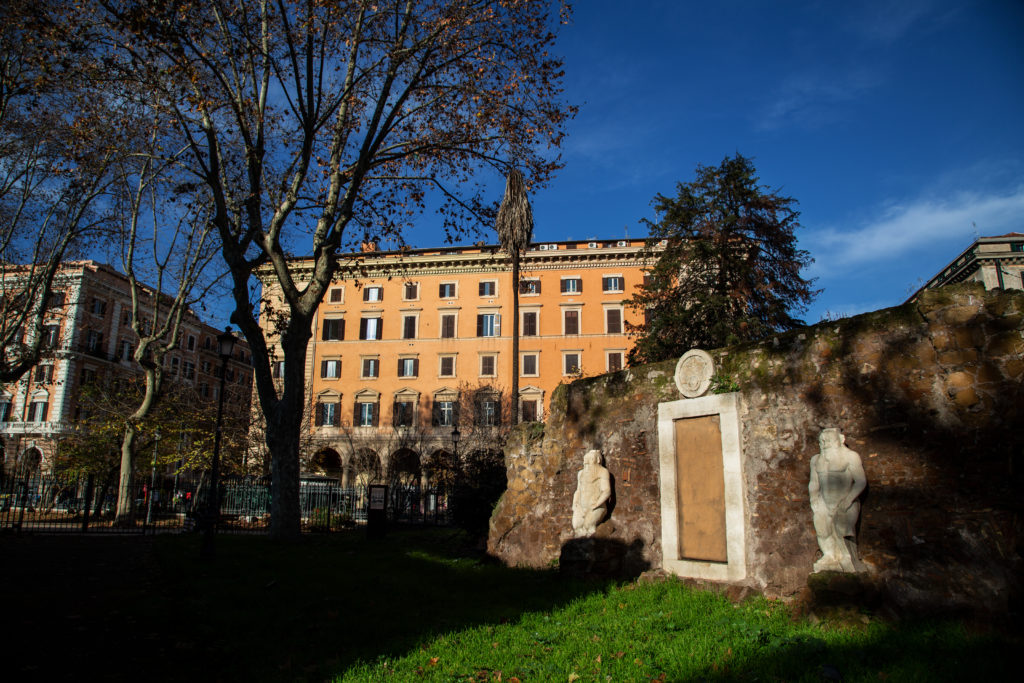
903,227
815,99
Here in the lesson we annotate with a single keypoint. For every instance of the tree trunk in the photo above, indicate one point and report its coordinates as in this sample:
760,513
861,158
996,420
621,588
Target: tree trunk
284,431
124,516
515,339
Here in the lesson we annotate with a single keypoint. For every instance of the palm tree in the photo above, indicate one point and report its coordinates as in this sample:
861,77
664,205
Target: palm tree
515,229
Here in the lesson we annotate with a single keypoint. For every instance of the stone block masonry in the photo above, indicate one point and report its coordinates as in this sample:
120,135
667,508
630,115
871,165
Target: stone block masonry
929,393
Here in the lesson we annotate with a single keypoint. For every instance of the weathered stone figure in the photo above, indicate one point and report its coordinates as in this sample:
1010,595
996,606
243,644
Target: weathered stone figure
593,489
837,479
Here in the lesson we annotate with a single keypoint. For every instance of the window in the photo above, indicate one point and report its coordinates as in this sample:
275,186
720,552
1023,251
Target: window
333,329
336,295
277,369
447,326
370,328
5,410
613,319
124,350
402,413
371,368
207,343
612,283
175,365
529,365
206,367
87,377
531,410
37,411
614,361
443,413
1017,246
366,414
204,390
51,336
487,413
572,322
571,364
408,327
44,374
373,294
56,300
487,366
488,325
408,367
99,307
446,290
488,288
191,343
529,323
93,341
572,285
529,286
327,414
411,292
190,370
330,369
447,366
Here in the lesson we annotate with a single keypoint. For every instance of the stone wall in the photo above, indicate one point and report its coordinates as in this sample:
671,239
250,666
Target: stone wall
930,395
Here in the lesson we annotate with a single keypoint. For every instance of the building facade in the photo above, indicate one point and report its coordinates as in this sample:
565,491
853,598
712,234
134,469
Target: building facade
88,338
997,262
408,345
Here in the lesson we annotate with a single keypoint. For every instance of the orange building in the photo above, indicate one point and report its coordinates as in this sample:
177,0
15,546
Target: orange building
403,339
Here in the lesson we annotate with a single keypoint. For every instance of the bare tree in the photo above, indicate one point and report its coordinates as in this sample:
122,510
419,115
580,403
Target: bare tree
515,230
317,126
171,242
55,156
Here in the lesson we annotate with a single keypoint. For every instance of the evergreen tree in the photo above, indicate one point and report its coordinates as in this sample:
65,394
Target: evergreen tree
726,265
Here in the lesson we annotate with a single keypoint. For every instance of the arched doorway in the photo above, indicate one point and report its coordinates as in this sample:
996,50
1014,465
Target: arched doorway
367,468
327,461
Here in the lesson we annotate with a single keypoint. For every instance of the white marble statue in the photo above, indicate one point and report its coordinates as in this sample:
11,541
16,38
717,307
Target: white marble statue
837,479
593,489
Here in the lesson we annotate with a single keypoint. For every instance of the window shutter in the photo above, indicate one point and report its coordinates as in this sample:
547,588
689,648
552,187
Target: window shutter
46,407
480,289
341,329
497,324
355,415
435,413
395,416
415,367
564,286
376,413
456,412
362,328
319,414
410,327
380,328
400,368
479,325
323,368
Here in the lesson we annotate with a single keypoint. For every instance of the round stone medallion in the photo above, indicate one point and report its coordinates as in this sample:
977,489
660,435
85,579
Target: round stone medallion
693,373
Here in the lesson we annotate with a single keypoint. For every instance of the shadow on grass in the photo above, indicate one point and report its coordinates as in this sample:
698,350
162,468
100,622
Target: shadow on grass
915,651
148,609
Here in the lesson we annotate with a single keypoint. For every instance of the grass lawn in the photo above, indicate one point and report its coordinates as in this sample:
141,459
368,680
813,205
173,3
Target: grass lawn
415,606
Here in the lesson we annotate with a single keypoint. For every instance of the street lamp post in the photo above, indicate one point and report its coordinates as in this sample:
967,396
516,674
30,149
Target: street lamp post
152,478
225,345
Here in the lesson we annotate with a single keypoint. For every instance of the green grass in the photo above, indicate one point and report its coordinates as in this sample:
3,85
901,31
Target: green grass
417,606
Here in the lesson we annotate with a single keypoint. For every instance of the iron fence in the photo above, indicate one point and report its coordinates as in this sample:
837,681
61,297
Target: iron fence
88,503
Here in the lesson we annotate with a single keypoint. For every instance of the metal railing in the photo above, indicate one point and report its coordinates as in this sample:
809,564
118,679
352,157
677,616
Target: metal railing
88,503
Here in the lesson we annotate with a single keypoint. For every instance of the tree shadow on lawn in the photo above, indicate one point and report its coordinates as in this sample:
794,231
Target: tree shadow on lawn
148,609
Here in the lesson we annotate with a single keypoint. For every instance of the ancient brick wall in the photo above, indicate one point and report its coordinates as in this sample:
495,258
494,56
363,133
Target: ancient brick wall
930,395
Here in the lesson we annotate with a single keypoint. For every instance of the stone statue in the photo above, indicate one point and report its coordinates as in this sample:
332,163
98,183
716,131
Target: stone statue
593,489
837,479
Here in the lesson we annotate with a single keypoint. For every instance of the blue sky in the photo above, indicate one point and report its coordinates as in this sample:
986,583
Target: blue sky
898,126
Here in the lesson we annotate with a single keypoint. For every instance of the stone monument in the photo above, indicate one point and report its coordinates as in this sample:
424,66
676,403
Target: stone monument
593,489
693,373
837,479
